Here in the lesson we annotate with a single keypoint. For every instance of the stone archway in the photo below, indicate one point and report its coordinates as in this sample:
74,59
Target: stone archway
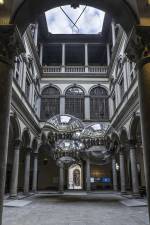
75,177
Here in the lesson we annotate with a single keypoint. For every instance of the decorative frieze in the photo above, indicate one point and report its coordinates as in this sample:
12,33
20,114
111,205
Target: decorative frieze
11,43
139,43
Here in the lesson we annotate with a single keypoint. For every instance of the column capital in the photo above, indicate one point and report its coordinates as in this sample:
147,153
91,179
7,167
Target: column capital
35,154
132,144
139,44
11,43
28,149
121,152
17,144
60,164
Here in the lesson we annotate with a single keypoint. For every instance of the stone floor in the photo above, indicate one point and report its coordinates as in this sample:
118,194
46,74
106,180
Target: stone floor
75,209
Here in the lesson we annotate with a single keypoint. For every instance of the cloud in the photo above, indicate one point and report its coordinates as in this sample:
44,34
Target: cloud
91,20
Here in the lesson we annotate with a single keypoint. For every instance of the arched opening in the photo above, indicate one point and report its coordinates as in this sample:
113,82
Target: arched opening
75,180
126,151
115,151
99,104
136,137
26,141
47,170
14,135
50,103
74,104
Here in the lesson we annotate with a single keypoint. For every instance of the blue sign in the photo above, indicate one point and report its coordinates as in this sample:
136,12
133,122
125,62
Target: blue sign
103,180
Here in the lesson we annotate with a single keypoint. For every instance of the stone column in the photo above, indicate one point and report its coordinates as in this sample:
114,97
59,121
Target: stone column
62,104
10,46
122,173
134,172
63,58
61,178
15,170
138,50
27,171
113,33
144,94
114,172
108,54
36,34
88,176
35,172
41,54
86,57
87,107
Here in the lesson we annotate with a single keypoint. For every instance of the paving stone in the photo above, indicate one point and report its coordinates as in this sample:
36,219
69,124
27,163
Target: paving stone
133,203
16,203
91,209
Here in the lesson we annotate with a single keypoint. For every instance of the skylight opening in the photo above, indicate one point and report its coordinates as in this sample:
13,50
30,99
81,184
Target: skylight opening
81,20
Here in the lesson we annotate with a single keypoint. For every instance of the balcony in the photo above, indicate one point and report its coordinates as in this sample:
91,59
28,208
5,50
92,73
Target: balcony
100,70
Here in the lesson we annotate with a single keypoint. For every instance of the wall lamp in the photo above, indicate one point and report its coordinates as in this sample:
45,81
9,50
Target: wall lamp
1,2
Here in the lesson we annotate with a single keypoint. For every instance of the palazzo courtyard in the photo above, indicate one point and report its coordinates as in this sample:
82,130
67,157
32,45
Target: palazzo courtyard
77,208
74,112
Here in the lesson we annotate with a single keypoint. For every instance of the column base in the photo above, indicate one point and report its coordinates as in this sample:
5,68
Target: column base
115,189
136,195
123,193
13,197
34,192
26,194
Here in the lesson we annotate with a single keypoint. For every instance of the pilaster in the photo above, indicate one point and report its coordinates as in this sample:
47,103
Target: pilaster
10,46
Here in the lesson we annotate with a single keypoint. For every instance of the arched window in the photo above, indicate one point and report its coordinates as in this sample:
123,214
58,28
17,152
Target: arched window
99,104
50,103
75,102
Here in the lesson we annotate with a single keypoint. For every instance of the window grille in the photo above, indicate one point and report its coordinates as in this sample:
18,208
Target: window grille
27,89
75,102
50,103
99,104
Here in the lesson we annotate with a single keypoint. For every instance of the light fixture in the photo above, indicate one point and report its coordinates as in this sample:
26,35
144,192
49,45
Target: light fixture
117,166
1,2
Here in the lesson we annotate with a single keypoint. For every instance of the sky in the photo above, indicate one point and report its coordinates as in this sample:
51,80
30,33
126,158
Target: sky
91,21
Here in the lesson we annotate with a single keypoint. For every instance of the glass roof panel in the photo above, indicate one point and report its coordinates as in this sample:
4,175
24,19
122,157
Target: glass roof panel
80,20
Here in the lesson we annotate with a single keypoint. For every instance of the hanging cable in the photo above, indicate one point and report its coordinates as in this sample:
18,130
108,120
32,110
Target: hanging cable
69,18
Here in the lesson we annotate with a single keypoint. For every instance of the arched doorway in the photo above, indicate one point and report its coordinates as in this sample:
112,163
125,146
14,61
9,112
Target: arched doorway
48,172
75,179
